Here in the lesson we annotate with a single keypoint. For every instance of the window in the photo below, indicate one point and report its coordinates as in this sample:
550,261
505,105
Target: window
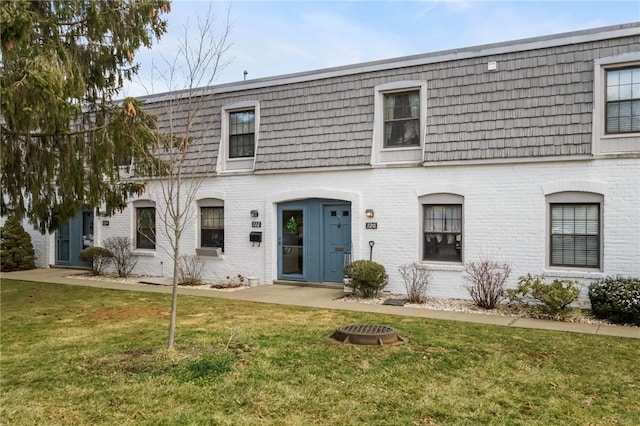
616,104
146,228
575,235
402,119
212,227
623,100
241,134
239,137
399,119
443,232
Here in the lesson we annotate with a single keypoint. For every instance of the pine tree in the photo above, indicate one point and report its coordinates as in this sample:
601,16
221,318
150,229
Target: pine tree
16,250
63,136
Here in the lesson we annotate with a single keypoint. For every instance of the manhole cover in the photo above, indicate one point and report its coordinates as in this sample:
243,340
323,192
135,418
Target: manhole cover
367,334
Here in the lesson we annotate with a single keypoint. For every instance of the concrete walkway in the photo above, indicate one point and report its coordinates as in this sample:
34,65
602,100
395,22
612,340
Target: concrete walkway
326,298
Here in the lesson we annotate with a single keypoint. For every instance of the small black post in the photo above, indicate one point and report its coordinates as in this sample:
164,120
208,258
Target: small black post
371,244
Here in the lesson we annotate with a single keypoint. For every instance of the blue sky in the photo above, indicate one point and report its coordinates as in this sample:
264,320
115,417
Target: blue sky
270,38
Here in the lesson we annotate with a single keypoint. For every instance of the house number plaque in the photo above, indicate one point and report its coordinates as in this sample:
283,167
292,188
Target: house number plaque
371,225
256,224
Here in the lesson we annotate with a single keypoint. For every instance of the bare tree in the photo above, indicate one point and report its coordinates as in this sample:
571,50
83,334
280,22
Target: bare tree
486,280
179,166
416,279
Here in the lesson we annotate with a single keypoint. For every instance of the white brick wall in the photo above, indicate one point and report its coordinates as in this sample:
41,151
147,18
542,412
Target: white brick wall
504,217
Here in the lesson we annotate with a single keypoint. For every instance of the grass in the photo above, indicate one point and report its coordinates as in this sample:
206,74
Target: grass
85,356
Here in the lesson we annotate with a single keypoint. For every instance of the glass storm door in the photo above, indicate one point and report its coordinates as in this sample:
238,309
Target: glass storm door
291,243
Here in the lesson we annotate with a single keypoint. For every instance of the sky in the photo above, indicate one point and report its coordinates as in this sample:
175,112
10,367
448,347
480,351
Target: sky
271,38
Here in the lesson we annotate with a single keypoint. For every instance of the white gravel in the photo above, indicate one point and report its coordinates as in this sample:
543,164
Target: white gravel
452,305
461,305
137,279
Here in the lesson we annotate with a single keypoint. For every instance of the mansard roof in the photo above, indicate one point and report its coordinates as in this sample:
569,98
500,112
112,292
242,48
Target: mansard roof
538,102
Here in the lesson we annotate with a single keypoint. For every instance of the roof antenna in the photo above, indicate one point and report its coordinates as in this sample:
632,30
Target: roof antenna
245,74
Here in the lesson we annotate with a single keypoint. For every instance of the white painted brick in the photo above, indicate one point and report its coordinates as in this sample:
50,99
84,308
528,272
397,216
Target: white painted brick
504,218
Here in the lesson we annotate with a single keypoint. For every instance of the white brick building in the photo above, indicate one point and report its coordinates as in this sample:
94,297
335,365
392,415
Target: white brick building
525,152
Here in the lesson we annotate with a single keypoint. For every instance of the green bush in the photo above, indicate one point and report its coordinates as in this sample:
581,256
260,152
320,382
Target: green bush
616,299
97,257
367,277
551,298
16,250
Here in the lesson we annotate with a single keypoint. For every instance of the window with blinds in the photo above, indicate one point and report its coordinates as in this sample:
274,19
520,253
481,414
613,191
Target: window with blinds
575,235
212,227
623,100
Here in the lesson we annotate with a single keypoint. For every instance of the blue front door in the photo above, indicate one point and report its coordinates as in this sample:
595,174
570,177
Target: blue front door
337,240
73,237
314,239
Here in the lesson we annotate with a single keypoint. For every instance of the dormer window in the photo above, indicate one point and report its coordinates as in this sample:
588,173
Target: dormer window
239,137
623,100
616,104
402,119
242,125
399,119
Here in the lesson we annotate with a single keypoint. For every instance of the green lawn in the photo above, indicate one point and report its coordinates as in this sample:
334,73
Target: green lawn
83,356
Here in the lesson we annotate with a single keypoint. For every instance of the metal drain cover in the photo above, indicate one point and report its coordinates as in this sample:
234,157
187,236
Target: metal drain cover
367,334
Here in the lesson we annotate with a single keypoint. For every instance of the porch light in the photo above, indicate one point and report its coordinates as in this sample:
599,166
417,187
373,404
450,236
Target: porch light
369,213
254,213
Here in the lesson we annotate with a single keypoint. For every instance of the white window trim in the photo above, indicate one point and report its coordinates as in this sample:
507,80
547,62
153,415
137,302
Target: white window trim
573,197
224,163
602,143
215,252
382,155
437,199
137,205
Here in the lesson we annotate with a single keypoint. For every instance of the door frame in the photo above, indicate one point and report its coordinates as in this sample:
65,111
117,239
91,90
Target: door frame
81,231
314,228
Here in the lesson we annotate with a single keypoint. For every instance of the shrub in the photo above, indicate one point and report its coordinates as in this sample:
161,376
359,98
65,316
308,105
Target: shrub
16,250
416,281
367,277
230,282
98,257
486,280
123,258
552,298
191,269
616,299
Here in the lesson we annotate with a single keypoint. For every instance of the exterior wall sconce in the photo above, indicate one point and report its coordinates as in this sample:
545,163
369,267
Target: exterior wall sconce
369,213
254,213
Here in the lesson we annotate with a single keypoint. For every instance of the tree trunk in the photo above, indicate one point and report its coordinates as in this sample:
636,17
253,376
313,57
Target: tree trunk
174,301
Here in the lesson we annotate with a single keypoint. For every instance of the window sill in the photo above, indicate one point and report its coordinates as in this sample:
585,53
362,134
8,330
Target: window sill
584,274
144,253
453,267
620,135
401,148
214,252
